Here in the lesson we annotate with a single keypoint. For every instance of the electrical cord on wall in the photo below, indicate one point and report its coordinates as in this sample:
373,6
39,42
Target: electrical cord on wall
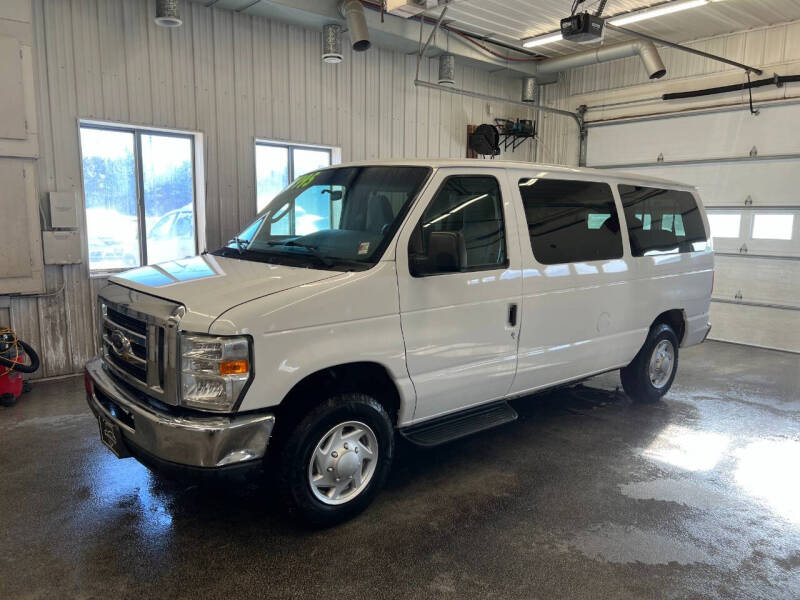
753,111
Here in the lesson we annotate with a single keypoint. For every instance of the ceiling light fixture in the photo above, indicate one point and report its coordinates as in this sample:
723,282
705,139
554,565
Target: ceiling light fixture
542,40
658,11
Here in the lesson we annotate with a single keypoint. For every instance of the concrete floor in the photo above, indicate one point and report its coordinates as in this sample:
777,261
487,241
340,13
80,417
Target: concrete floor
586,496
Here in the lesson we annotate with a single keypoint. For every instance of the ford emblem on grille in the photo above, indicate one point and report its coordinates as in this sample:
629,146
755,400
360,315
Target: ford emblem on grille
121,344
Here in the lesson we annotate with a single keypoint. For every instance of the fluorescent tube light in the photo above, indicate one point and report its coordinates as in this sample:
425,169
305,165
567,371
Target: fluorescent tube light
541,40
658,11
642,15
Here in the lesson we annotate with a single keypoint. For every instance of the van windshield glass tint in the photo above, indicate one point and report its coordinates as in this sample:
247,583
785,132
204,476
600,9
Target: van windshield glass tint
333,218
662,221
571,221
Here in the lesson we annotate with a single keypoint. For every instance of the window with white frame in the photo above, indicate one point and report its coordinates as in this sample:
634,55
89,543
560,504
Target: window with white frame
278,164
139,194
725,225
773,226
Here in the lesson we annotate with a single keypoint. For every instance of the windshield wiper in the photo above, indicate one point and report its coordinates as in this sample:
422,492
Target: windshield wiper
312,250
241,243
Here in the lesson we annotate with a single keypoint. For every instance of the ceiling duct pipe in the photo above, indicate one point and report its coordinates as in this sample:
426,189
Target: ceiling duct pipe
332,43
529,89
447,69
168,13
353,12
645,50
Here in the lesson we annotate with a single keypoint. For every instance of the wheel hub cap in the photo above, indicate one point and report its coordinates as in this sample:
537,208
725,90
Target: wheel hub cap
347,465
662,362
343,462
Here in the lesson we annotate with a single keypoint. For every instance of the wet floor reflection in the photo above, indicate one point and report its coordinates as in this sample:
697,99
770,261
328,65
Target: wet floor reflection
770,471
687,448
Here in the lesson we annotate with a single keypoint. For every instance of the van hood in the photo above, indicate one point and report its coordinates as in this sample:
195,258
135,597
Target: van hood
210,285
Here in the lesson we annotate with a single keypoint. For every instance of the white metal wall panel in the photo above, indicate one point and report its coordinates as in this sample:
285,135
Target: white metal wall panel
235,78
762,280
755,326
696,137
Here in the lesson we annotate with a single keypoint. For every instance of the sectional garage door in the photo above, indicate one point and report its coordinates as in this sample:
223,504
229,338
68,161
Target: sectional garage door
747,169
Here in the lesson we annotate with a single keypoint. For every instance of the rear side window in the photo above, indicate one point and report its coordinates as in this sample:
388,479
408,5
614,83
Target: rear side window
662,221
462,229
571,221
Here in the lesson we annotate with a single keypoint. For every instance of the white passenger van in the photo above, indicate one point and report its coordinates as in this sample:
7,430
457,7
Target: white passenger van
405,297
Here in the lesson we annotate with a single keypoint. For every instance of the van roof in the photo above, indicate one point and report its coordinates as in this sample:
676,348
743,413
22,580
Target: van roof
603,174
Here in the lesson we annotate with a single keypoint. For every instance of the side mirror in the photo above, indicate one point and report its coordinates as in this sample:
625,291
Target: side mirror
447,253
417,259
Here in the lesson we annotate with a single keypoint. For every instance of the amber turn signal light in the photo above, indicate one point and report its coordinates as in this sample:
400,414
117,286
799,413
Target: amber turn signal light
233,367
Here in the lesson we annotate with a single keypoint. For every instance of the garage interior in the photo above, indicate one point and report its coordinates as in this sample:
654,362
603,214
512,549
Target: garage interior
187,117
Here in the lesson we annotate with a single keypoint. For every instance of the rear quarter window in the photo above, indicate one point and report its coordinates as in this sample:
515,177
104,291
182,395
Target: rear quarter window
571,221
662,221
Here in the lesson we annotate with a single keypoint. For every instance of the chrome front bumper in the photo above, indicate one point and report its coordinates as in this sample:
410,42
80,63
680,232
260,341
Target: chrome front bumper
193,441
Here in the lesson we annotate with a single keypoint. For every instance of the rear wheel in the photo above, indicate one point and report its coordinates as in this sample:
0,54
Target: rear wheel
336,459
651,373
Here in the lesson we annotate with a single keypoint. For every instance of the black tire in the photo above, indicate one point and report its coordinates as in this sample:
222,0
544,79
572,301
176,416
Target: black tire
636,376
8,399
296,451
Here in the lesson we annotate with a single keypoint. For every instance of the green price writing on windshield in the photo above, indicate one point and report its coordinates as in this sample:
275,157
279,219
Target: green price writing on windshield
304,181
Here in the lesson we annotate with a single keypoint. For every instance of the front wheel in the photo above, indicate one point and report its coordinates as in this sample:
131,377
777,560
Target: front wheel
336,459
651,373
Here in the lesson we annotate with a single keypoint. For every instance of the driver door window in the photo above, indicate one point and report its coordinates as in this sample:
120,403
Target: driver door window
461,230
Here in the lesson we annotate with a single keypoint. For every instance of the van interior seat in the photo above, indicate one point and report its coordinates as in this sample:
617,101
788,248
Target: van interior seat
379,214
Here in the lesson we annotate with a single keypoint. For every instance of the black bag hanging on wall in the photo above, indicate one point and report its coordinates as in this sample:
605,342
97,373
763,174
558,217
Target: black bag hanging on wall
485,140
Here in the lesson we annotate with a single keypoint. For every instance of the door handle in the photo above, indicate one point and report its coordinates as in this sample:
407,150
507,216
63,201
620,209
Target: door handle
512,314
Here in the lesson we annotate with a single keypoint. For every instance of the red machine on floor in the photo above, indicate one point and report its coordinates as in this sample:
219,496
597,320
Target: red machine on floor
14,354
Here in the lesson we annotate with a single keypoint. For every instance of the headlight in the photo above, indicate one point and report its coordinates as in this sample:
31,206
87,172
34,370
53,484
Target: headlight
214,371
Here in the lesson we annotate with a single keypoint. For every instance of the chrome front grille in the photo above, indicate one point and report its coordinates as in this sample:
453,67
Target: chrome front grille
130,334
138,338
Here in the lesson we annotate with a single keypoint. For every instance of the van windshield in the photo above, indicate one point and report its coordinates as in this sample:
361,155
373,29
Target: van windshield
339,219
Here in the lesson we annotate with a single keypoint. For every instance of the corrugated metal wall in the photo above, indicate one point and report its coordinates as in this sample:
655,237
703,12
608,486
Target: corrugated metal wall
234,78
775,48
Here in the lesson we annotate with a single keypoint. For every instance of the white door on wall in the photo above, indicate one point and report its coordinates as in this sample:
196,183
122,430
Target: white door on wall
747,169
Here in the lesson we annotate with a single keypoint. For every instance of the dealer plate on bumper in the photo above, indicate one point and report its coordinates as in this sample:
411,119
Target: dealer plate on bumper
111,436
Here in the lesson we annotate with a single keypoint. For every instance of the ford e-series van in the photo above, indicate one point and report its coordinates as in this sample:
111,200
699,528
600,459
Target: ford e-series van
406,297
